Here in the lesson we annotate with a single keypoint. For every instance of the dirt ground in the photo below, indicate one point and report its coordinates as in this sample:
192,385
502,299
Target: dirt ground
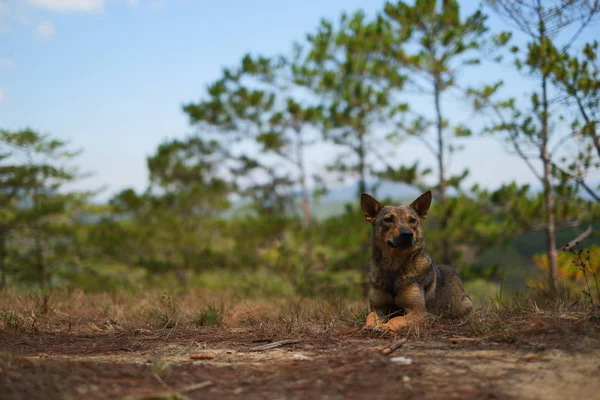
539,356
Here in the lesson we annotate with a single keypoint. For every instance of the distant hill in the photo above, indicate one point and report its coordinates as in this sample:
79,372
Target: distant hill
349,193
334,202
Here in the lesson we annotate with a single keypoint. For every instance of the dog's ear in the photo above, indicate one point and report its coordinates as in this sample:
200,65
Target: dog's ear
370,207
421,204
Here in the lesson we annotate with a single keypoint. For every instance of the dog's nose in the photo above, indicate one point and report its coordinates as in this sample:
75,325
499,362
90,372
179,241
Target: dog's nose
404,240
406,234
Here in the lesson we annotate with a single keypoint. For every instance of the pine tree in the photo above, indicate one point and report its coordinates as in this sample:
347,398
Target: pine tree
436,43
33,173
531,131
355,86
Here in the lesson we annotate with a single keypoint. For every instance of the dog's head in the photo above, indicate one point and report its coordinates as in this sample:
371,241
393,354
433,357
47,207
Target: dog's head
399,227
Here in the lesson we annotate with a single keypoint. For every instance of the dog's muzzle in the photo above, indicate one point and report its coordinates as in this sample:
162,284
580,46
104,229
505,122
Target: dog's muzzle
404,240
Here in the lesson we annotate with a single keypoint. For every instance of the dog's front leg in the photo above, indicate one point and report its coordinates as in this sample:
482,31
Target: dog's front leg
412,300
380,302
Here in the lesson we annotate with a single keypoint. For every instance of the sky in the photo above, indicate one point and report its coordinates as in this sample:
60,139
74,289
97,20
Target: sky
111,76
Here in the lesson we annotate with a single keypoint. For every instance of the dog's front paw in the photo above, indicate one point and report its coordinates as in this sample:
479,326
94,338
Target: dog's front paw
397,323
373,321
387,327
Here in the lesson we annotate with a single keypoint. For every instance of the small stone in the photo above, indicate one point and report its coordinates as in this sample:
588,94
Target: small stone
300,357
401,360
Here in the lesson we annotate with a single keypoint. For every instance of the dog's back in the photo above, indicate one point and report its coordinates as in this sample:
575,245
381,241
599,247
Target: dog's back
448,297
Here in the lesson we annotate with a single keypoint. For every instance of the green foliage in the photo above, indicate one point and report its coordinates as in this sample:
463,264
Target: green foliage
36,218
253,105
344,68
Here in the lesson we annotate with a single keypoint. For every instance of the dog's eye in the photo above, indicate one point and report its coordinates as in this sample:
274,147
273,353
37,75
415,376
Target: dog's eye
412,220
388,219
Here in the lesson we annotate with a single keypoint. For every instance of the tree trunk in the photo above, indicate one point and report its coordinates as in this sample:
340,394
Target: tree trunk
362,179
545,157
362,188
446,244
305,198
2,261
39,256
549,200
551,241
596,142
39,250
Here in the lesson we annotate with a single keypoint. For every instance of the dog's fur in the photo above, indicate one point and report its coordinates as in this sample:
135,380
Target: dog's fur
403,278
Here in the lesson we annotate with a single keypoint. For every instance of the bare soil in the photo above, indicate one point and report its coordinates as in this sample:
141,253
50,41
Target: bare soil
525,356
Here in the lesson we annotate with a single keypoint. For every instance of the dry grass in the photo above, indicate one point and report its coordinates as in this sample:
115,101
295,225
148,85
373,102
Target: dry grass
166,313
163,314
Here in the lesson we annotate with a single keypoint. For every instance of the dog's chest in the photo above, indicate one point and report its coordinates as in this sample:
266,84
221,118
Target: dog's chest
394,279
387,278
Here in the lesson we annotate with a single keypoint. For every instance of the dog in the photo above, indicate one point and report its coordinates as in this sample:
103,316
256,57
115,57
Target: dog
403,279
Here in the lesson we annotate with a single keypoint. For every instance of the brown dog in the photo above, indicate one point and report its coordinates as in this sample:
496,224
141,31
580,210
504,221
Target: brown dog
402,276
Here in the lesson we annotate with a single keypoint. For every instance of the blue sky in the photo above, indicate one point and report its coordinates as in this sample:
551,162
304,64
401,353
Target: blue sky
111,75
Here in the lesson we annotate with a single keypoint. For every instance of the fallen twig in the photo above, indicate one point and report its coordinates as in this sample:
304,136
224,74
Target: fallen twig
159,396
393,347
569,246
464,339
274,345
196,386
202,356
162,383
484,357
530,357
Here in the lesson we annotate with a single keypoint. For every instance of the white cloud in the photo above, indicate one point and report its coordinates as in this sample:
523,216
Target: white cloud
24,12
6,63
2,96
46,29
85,6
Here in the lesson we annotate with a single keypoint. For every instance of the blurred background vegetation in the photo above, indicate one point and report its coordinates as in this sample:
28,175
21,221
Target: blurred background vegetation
230,208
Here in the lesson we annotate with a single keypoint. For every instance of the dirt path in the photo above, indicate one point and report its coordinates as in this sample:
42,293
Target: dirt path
343,365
